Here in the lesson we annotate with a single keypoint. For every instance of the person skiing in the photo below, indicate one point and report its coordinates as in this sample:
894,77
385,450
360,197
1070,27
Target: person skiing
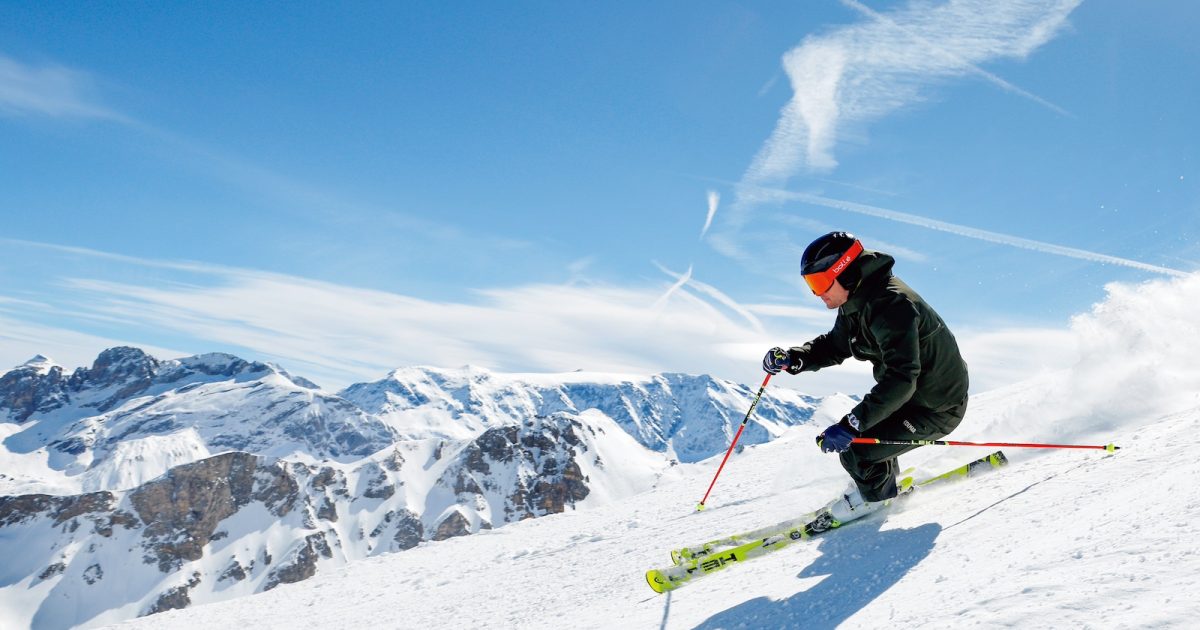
920,390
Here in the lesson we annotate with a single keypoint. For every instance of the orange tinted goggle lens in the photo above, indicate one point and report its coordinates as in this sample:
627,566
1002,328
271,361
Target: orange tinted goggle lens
821,281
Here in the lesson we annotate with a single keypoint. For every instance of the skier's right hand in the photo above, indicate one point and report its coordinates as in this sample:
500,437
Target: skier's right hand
777,359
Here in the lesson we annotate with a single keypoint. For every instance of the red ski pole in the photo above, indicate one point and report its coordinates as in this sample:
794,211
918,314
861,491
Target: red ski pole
861,440
737,435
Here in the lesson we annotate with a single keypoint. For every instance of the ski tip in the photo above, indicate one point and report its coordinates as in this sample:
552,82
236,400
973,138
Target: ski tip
657,581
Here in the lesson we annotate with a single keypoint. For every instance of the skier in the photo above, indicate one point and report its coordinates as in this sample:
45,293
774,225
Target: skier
920,390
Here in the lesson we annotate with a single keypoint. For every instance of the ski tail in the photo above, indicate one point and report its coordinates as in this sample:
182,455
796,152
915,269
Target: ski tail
982,465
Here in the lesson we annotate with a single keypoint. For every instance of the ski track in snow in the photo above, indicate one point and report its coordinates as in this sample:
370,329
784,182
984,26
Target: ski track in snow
1058,539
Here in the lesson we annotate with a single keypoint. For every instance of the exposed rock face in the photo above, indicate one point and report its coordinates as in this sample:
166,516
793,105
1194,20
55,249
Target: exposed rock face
304,565
543,452
175,598
409,530
235,572
26,390
128,370
406,529
173,522
453,525
96,506
55,569
184,508
380,487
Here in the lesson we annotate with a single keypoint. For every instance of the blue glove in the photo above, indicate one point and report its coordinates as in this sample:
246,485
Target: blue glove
776,360
835,439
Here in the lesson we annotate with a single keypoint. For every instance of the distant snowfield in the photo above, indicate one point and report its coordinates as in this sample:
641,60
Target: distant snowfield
1060,538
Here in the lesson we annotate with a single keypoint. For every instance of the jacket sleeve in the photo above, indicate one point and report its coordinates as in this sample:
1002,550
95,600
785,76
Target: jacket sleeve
829,349
895,329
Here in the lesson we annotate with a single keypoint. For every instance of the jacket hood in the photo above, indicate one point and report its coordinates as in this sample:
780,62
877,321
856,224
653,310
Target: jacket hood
867,276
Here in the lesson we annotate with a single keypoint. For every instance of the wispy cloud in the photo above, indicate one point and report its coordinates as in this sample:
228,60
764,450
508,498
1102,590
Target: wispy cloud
22,340
714,198
337,334
49,90
861,72
345,333
1037,33
968,232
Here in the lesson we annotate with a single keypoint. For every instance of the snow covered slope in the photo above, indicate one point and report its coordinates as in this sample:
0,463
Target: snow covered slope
1062,539
1059,539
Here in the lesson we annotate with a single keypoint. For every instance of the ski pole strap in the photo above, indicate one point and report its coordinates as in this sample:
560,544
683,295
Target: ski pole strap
861,440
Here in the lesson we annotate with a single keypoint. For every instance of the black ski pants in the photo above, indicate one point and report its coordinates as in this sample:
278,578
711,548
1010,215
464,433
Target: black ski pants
874,466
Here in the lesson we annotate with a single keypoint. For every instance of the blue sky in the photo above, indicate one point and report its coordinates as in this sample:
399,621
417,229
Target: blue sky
546,186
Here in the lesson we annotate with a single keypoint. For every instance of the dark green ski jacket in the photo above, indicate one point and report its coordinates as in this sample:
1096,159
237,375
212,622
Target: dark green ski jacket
915,356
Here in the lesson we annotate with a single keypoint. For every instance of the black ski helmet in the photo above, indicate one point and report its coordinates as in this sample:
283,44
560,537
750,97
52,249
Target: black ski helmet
827,258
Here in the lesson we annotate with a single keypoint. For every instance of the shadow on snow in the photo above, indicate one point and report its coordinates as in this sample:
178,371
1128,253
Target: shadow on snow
861,563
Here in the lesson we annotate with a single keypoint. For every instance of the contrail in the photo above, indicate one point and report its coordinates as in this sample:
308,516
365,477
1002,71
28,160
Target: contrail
969,232
714,198
679,282
716,294
710,291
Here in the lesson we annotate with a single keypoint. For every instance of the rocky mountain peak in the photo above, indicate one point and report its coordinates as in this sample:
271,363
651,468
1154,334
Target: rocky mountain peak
121,364
30,387
40,362
221,364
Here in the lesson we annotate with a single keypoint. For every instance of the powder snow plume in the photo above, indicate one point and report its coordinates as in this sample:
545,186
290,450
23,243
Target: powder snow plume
1137,354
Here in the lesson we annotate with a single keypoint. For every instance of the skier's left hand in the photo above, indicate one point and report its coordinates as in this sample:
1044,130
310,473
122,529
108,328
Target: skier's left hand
835,439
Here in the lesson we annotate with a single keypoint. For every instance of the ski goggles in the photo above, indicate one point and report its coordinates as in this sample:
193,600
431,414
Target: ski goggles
820,281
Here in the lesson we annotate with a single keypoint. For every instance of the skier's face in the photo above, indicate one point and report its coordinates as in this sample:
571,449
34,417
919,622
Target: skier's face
835,296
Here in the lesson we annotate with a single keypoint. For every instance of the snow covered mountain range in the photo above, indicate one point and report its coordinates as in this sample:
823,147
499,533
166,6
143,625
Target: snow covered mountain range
688,417
139,485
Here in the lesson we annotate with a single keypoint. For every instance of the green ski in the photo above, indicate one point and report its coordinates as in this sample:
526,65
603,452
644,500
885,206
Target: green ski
696,561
